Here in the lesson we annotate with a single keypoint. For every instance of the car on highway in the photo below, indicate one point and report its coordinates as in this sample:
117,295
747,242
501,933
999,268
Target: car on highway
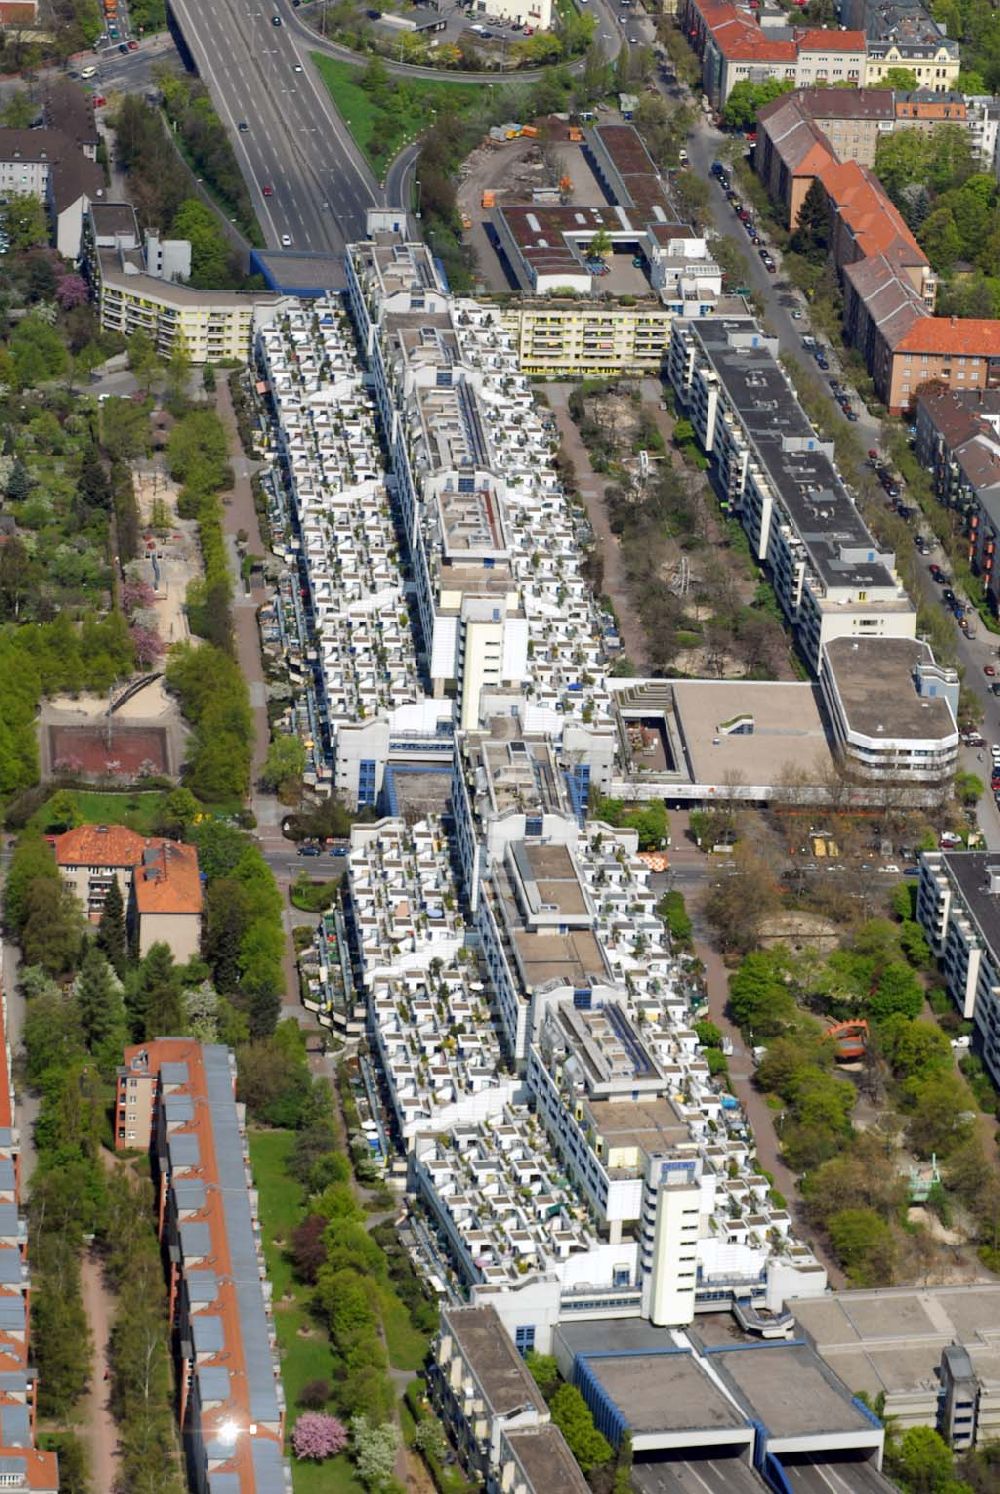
286,241
276,21
243,127
297,68
267,190
796,315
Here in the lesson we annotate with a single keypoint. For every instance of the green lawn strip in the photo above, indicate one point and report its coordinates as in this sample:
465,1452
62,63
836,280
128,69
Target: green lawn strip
381,132
305,1350
406,1345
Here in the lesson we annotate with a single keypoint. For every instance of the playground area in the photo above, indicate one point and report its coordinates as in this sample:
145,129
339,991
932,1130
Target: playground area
141,737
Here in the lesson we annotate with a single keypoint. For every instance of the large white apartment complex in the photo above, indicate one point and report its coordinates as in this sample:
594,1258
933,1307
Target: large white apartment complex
891,708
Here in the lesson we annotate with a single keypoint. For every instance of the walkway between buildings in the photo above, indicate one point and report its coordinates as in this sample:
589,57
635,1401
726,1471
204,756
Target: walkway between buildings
592,486
759,1116
239,514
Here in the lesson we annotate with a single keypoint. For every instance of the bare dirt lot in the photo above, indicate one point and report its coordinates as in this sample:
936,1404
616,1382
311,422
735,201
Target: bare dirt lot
174,544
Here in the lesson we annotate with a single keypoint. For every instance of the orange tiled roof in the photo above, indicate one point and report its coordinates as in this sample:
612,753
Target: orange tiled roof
98,845
740,40
819,40
975,337
167,880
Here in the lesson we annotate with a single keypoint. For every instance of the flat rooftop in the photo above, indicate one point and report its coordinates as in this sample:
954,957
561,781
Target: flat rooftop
550,879
892,1340
574,958
788,730
841,548
789,1389
652,1126
547,1461
666,1392
522,774
875,681
970,870
487,1347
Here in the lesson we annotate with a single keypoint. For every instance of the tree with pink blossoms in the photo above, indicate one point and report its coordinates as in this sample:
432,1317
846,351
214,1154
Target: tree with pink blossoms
148,645
318,1436
71,290
136,594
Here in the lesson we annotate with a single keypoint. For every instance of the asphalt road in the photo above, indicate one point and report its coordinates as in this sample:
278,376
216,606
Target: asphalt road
696,1476
296,141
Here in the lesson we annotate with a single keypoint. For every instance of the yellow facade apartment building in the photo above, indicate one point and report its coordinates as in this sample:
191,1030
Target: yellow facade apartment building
579,338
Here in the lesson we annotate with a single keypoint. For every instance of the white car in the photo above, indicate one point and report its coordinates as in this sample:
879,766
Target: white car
286,241
88,72
297,68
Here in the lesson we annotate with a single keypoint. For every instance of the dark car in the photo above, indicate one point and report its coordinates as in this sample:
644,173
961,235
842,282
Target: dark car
123,46
242,126
276,21
309,851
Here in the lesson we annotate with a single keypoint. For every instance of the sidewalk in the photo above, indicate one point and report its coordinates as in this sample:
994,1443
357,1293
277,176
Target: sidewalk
239,513
759,1116
98,1425
592,486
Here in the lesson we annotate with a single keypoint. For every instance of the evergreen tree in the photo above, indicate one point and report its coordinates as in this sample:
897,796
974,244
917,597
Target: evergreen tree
111,936
102,1012
93,485
18,482
812,232
155,1007
226,918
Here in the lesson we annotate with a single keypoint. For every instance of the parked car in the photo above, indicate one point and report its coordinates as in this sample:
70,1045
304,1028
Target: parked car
309,850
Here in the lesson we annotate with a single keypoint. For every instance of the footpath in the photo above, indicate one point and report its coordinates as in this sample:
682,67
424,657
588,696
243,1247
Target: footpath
239,515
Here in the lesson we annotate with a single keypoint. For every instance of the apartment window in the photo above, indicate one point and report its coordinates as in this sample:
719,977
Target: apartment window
366,781
533,825
524,1338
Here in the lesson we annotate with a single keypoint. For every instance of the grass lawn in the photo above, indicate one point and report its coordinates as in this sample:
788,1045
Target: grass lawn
139,811
407,1346
381,129
305,1351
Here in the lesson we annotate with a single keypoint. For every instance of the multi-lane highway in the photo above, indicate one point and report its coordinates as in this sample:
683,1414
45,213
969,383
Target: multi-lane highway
295,143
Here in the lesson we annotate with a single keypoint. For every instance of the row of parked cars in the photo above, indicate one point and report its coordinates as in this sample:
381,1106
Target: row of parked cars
745,216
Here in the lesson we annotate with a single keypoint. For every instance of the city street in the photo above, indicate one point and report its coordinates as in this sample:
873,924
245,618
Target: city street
295,142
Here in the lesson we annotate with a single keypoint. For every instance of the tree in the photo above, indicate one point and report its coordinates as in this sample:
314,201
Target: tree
375,1449
940,240
318,1437
308,1247
969,788
53,927
93,484
544,1372
142,358
179,812
429,1439
19,112
284,766
922,1462
600,245
864,1244
111,933
71,291
759,998
811,237
102,1012
897,991
19,483
25,221
740,112
900,79
572,1416
53,1033
62,812
154,1001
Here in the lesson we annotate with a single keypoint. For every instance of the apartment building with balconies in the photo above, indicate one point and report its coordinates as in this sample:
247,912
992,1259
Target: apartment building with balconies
958,908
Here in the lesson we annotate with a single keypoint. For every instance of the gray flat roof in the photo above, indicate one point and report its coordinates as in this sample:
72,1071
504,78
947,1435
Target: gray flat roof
666,1392
789,1389
487,1348
969,870
804,479
548,1463
788,730
875,681
613,1335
